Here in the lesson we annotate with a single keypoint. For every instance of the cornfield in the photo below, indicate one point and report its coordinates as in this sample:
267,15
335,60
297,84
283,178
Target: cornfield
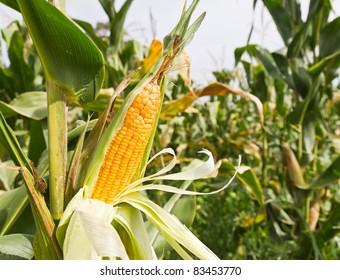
107,144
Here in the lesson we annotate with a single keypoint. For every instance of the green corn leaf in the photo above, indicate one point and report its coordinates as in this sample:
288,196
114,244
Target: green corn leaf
183,207
42,217
11,145
316,68
248,177
11,3
12,204
108,6
7,175
329,38
22,73
68,56
331,226
329,176
47,245
329,47
182,34
37,144
71,187
117,26
286,15
32,105
263,56
88,28
16,247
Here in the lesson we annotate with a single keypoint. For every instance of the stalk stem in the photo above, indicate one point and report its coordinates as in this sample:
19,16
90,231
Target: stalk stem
57,146
265,158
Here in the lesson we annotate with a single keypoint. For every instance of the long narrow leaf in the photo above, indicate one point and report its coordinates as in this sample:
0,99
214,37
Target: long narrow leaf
47,242
42,217
12,204
329,176
11,145
69,57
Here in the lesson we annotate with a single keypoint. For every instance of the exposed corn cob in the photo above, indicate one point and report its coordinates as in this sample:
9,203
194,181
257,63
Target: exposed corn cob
126,150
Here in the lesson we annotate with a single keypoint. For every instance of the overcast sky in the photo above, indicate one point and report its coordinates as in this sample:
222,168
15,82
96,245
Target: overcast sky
226,27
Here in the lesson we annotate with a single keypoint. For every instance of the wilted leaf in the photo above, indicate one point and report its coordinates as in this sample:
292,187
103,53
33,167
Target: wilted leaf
172,108
255,219
155,52
182,65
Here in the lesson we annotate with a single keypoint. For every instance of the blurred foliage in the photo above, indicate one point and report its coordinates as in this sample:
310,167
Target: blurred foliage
294,156
279,110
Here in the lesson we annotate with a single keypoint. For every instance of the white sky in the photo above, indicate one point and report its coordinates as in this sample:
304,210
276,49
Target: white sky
226,27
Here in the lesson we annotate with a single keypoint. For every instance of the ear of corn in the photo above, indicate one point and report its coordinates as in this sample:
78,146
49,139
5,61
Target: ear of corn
125,145
126,150
133,113
295,171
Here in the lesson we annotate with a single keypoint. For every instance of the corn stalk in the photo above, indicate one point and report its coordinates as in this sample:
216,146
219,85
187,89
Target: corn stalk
57,41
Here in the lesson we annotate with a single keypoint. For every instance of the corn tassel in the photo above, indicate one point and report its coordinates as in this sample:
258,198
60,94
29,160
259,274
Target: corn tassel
126,150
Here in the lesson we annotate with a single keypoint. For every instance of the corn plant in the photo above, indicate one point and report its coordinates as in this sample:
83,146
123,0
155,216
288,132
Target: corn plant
97,189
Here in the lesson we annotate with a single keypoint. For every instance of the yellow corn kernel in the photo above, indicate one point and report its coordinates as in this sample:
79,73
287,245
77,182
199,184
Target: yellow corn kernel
126,150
